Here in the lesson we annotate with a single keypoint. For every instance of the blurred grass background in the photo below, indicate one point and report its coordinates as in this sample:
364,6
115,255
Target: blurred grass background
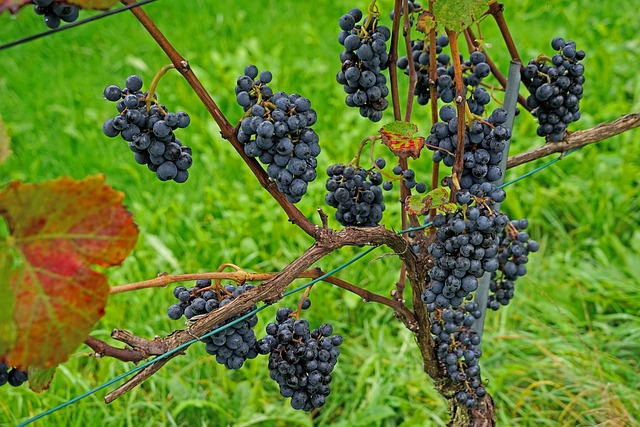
565,352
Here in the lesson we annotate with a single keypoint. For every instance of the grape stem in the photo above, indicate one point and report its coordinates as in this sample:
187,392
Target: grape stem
154,84
461,102
393,58
298,310
433,94
413,76
496,9
473,44
356,159
165,279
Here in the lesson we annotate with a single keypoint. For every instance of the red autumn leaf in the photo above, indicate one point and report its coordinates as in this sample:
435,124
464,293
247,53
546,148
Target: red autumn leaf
12,5
58,229
400,138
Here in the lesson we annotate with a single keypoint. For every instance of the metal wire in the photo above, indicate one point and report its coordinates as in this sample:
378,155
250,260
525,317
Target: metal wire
73,24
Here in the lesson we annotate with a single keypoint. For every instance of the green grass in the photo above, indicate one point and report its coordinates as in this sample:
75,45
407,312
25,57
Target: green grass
565,352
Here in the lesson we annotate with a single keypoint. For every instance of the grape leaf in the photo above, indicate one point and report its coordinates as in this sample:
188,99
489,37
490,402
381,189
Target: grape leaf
40,379
415,205
58,229
5,150
8,331
93,4
12,5
399,137
425,22
437,198
457,15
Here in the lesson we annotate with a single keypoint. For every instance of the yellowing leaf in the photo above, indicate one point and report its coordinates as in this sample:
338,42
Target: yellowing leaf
434,199
415,205
425,22
459,14
40,379
58,229
399,137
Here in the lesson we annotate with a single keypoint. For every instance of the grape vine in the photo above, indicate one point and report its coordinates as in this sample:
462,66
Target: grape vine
465,235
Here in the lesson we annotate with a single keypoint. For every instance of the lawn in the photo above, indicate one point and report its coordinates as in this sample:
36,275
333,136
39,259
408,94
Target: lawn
565,352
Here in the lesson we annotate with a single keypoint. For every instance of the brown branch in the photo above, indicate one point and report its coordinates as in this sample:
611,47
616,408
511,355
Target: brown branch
239,277
226,129
433,94
103,349
496,9
401,311
393,57
456,171
473,44
405,192
413,75
578,139
154,347
165,279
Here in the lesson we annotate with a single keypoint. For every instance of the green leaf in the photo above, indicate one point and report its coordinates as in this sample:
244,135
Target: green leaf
40,379
457,15
399,137
5,150
59,229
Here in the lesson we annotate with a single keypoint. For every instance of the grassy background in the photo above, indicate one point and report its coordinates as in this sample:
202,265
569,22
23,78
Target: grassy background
565,352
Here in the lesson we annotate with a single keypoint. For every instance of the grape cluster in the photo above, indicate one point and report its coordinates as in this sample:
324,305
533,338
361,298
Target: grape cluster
474,70
276,129
54,12
13,376
231,346
483,151
458,347
149,132
356,195
515,246
363,58
300,360
556,89
466,247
